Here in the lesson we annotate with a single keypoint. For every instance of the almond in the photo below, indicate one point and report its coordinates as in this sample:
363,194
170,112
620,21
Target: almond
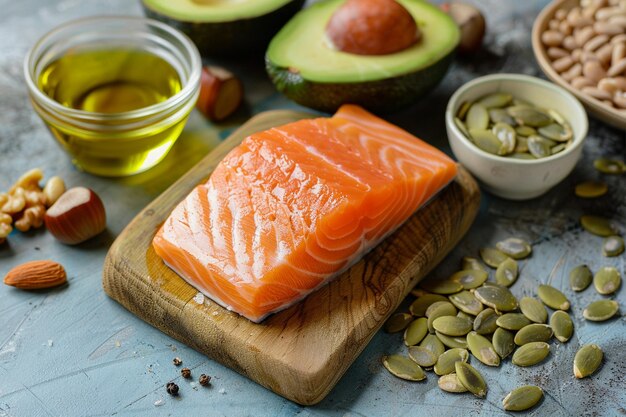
36,275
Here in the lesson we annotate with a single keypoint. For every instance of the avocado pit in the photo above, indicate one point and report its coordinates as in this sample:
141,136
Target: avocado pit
372,27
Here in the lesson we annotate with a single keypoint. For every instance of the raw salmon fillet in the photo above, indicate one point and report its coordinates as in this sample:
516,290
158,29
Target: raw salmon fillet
293,206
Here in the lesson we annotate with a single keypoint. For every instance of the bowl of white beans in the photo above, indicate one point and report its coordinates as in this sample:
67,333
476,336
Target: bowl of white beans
581,45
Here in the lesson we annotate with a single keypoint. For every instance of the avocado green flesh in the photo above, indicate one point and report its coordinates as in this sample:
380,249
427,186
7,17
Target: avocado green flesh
303,47
213,10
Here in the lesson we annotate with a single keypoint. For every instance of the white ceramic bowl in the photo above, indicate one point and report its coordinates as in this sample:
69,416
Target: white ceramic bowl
506,177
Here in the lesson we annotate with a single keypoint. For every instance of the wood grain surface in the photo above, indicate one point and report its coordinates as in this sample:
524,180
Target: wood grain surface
302,352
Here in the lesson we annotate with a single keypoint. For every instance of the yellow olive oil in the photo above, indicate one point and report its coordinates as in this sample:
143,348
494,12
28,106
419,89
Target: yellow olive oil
109,83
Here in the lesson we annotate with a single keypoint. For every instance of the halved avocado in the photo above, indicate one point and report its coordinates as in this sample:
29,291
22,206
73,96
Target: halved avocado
304,65
225,27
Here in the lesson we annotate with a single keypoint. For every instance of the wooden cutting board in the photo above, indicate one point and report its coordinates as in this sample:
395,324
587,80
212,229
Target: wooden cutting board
299,353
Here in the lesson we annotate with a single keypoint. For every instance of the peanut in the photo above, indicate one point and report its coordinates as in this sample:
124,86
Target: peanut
53,190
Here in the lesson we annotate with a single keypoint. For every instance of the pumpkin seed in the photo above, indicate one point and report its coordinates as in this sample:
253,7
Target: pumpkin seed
515,248
533,333
522,398
482,349
452,341
587,360
597,225
558,148
397,322
601,310
552,297
470,278
439,309
461,127
450,383
607,280
492,257
503,342
529,116
506,273
525,131
445,363
419,306
591,189
512,321
609,166
441,286
556,132
496,100
521,145
463,108
486,322
416,331
469,263
452,325
530,354
464,315
471,379
501,116
557,117
562,325
487,141
422,356
496,297
525,156
538,147
404,368
533,309
580,277
433,344
506,135
466,302
477,117
613,246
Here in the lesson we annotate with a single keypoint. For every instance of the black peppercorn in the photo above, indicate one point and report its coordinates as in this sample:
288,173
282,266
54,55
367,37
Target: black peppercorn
171,388
204,380
177,361
186,372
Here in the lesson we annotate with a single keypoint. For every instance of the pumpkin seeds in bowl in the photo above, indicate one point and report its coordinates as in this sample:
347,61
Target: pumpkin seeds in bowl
502,125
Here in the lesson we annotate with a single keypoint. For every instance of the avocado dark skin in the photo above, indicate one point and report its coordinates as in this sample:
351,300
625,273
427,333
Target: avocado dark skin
234,39
381,96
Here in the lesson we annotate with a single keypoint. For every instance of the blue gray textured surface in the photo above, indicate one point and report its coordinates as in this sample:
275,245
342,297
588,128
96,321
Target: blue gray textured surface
73,352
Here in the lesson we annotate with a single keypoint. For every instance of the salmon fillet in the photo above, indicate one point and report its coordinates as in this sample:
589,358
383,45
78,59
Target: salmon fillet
292,207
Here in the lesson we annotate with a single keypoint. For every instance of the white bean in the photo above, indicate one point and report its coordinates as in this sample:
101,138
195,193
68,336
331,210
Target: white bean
596,93
609,85
563,64
619,52
607,28
556,53
617,68
604,54
575,71
569,43
596,42
580,82
582,36
593,71
552,38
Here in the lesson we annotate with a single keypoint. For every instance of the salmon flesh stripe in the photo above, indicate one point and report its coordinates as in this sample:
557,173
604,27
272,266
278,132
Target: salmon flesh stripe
294,206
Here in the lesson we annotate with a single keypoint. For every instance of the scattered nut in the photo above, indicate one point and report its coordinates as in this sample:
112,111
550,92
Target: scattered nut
471,22
28,181
36,275
177,361
54,188
171,388
221,93
32,218
76,216
204,380
15,203
185,372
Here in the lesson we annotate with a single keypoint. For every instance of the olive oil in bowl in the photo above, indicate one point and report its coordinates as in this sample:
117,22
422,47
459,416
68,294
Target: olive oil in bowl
115,105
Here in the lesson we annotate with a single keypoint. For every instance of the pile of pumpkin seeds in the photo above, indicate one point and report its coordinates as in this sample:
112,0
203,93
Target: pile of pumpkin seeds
502,125
466,313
